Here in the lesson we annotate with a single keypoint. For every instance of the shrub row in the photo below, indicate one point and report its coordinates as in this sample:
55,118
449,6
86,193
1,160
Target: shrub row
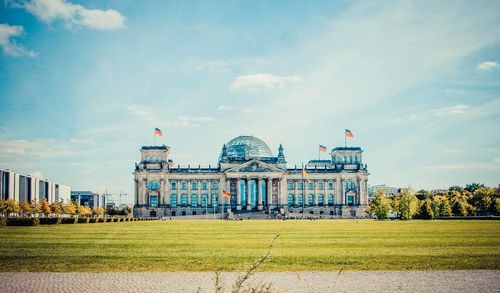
19,221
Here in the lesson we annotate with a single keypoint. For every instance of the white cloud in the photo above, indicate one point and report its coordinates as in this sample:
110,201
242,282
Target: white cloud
262,81
43,148
452,111
225,108
192,121
10,47
81,141
140,110
73,14
454,151
487,65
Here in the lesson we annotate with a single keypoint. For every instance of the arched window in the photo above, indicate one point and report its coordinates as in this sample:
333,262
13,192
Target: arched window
152,214
204,200
310,185
154,185
173,200
321,199
183,185
194,185
330,199
350,185
290,185
173,185
204,185
321,185
194,200
184,200
290,199
214,200
310,199
300,200
330,185
215,184
300,185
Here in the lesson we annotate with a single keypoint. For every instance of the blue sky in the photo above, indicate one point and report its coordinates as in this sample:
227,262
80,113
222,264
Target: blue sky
84,83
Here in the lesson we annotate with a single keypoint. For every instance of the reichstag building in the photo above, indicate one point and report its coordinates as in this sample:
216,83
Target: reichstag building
258,183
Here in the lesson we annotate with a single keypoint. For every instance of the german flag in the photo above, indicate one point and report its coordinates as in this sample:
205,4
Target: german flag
226,194
348,133
158,132
322,148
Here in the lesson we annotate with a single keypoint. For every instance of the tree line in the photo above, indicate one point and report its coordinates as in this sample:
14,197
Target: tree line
470,201
37,208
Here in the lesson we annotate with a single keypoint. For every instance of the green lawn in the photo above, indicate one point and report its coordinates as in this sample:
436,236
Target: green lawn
216,245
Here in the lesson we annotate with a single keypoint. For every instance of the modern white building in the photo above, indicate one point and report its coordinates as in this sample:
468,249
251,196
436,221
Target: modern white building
389,191
255,180
24,187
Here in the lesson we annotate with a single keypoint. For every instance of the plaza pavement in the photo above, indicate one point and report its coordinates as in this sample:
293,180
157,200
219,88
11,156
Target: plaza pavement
382,281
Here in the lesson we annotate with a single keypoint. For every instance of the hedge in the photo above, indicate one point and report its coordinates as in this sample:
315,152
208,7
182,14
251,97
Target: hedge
68,220
101,220
23,221
83,220
109,220
93,220
50,221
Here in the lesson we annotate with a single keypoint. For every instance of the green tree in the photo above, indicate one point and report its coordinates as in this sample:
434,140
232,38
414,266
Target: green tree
380,205
473,187
495,207
459,207
45,207
408,205
425,211
423,194
444,207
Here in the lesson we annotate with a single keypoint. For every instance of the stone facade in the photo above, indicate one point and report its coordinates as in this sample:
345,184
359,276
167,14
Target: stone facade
256,180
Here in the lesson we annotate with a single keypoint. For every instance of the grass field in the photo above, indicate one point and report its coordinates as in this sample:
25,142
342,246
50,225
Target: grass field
228,246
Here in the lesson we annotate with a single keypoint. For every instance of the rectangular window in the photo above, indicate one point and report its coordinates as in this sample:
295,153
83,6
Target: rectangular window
290,185
174,186
204,186
215,185
184,185
194,185
321,185
153,201
310,185
330,185
300,185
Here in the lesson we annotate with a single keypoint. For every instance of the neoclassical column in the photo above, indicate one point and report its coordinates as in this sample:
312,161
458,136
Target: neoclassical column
167,191
178,192
198,193
296,193
249,193
189,192
238,194
269,191
161,193
283,192
136,191
339,194
144,194
315,182
259,194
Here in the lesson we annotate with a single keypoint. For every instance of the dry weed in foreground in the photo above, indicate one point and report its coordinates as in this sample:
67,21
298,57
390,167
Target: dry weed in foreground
242,279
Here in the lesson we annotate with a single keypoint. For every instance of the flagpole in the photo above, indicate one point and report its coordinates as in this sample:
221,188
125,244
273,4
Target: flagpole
303,192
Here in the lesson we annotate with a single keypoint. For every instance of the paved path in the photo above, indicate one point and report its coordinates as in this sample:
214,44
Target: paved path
385,281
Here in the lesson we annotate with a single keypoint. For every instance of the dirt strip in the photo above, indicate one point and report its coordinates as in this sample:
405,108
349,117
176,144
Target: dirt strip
383,281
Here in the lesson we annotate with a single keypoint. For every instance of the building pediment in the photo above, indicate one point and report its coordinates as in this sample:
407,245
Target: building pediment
253,166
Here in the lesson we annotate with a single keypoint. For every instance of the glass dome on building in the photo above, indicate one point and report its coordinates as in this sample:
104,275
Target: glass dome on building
247,146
